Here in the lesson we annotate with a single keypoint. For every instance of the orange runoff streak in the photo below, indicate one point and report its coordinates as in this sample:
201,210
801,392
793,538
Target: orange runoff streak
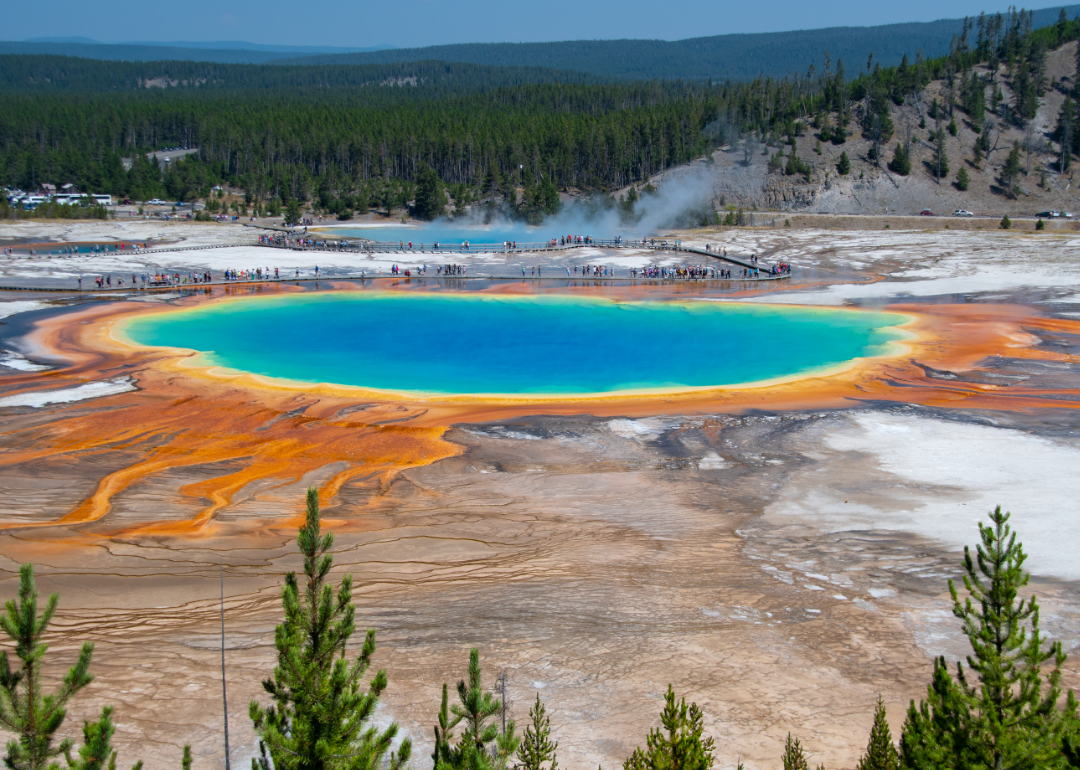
190,417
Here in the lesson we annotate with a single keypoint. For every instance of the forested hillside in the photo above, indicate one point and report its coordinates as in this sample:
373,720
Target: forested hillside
33,74
719,57
287,144
723,57
347,149
126,52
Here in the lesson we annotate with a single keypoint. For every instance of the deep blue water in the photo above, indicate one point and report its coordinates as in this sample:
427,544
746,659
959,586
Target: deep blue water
451,235
455,343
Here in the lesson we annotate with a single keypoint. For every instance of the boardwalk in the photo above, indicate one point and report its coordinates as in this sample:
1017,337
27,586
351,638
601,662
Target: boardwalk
378,247
371,248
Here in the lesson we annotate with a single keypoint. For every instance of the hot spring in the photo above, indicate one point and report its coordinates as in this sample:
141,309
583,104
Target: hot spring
449,234
507,345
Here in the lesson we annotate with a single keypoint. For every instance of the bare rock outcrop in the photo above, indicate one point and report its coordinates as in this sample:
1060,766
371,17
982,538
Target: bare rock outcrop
788,193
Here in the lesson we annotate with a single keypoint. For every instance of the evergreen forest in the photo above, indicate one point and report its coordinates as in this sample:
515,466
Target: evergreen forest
352,138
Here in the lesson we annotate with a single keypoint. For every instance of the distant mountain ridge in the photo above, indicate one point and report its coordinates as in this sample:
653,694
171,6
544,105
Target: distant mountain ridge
40,73
161,51
120,52
721,57
218,45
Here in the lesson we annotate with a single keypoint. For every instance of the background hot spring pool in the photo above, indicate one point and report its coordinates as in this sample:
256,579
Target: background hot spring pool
449,235
500,344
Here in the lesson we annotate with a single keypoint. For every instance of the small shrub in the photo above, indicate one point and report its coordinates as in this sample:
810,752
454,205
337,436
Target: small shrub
962,179
901,162
1006,223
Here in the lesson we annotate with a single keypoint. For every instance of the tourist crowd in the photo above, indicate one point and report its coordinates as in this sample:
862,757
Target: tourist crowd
148,279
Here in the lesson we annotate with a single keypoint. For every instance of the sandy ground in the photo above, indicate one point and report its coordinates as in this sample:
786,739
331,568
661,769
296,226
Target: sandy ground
781,568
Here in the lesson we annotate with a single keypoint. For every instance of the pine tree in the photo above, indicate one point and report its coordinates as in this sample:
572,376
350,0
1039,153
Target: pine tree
1070,748
549,197
480,737
536,746
794,758
880,753
33,717
838,134
491,182
320,712
444,733
1010,172
1009,716
292,212
682,748
941,160
844,166
430,201
477,706
933,737
97,752
963,181
1005,223
901,162
1010,703
506,744
1040,225
975,99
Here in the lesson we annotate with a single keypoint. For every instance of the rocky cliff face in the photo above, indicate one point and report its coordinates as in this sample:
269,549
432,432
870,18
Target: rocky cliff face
788,193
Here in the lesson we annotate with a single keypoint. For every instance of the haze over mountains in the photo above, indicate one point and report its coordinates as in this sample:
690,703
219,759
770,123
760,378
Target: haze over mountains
221,45
721,57
223,52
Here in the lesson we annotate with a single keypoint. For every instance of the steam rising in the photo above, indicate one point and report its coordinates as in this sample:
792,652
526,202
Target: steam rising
682,199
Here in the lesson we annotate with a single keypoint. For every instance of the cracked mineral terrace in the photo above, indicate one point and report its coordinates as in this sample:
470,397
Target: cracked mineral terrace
780,558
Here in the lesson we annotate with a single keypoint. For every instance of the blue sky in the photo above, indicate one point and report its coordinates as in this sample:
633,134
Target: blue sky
431,22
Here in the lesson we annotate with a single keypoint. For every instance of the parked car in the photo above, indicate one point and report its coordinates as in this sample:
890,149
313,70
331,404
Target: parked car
927,213
962,213
155,202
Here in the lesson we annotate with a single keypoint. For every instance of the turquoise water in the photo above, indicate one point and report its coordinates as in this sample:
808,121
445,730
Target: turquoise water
469,344
449,235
